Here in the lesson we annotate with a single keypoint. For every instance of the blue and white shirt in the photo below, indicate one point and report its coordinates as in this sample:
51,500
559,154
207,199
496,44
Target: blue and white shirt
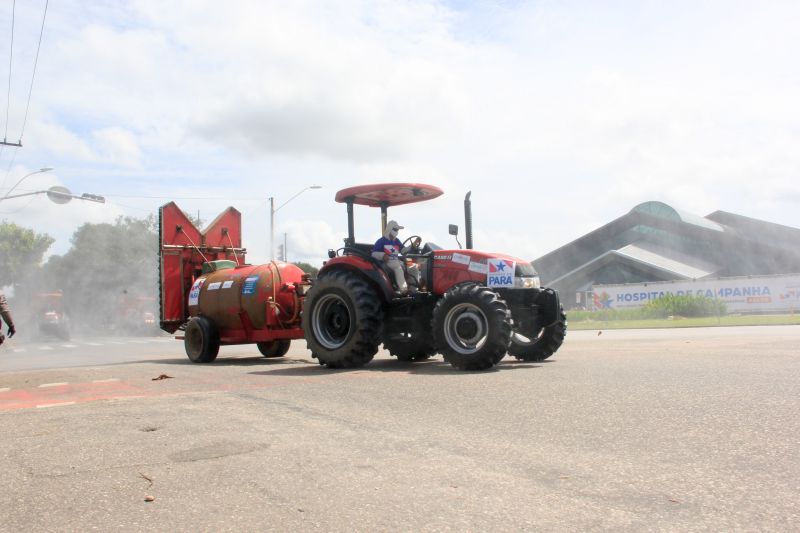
389,247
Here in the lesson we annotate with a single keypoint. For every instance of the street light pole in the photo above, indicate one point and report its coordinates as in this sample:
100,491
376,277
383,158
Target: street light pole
43,169
59,195
273,210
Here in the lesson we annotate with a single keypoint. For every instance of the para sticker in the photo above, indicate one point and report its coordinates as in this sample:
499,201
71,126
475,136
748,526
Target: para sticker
194,294
214,286
501,273
249,285
228,284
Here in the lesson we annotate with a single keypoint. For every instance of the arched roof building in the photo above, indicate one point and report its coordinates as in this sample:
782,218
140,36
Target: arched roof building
655,242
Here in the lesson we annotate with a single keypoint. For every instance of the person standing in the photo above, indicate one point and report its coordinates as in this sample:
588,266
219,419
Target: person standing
5,313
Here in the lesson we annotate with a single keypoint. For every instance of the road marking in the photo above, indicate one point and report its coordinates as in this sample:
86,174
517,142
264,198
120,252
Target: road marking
109,380
93,343
69,345
116,342
43,385
45,347
5,389
43,405
18,350
136,397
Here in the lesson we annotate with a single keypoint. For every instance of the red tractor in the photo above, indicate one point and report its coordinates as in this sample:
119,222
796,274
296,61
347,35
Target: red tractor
472,307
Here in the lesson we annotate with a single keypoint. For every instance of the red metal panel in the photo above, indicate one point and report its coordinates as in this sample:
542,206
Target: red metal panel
225,230
172,293
176,228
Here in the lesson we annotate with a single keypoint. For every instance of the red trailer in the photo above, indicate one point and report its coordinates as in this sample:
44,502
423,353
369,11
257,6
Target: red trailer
210,293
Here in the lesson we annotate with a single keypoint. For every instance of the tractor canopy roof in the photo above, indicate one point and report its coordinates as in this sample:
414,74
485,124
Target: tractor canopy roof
388,194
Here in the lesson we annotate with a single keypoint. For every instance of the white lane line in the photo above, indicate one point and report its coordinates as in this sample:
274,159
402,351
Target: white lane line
139,342
18,350
93,343
109,380
5,389
43,385
69,345
43,405
116,342
45,347
127,398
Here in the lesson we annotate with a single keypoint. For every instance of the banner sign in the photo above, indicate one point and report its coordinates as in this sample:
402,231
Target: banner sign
742,294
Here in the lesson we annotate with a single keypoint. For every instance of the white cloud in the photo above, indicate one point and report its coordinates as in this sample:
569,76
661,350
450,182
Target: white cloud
559,116
118,146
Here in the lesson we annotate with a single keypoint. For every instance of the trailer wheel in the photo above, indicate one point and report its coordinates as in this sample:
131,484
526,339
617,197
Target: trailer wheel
543,344
342,320
201,340
274,348
472,327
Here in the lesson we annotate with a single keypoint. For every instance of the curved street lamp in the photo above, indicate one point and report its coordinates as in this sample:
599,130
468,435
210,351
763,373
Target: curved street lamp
272,210
60,195
43,169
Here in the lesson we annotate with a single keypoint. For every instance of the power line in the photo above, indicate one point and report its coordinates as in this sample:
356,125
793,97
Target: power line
184,197
10,62
33,75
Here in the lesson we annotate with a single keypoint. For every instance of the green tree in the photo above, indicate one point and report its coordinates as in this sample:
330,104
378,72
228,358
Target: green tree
308,269
109,269
21,252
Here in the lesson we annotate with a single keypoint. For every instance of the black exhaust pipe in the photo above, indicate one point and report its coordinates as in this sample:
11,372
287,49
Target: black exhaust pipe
468,220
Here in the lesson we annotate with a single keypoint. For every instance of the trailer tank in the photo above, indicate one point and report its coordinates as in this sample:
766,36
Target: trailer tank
249,297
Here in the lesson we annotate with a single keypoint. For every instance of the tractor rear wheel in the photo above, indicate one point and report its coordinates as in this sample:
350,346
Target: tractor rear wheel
201,340
543,344
342,319
472,327
274,348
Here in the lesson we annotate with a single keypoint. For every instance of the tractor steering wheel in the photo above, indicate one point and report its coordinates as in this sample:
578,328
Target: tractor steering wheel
414,247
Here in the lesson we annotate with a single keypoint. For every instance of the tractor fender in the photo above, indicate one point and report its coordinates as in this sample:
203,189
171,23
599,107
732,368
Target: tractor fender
368,270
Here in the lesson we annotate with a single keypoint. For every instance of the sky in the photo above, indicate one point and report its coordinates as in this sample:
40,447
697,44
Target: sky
558,116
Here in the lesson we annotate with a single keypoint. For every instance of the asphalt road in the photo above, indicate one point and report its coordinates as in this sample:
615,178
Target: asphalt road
662,430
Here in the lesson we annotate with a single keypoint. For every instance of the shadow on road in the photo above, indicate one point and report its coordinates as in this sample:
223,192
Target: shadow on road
431,366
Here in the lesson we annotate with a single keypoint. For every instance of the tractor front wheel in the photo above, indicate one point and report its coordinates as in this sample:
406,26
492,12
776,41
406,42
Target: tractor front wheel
342,320
274,348
201,340
539,345
472,327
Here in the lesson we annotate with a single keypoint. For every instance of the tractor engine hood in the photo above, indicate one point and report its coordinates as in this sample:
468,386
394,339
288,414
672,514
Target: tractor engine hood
493,269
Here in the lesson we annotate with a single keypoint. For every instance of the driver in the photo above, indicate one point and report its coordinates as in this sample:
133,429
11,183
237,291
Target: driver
388,248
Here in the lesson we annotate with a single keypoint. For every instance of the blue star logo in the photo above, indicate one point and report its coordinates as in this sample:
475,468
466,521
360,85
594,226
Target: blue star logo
501,266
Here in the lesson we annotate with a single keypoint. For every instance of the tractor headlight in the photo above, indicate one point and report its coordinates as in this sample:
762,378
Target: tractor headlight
528,282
